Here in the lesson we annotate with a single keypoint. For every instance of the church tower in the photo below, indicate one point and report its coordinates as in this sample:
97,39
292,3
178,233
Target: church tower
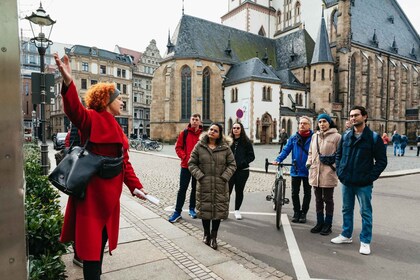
322,71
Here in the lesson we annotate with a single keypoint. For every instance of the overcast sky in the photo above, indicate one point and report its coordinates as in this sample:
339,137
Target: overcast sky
133,23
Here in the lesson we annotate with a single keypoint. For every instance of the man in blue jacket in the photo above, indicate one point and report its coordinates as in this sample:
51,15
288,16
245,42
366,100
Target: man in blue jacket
298,144
361,158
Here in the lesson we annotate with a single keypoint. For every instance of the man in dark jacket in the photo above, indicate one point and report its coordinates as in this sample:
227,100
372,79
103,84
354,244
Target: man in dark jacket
183,147
283,138
361,158
298,144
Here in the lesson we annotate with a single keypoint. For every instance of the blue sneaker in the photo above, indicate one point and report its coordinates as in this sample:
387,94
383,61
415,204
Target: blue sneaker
175,217
192,213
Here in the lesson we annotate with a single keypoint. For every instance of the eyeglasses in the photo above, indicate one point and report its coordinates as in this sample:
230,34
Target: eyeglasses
236,127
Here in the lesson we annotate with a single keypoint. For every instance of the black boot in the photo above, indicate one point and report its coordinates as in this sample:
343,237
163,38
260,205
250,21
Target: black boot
296,217
317,228
302,218
213,240
326,229
206,239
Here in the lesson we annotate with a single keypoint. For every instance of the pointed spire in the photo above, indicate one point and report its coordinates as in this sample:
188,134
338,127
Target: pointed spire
182,7
169,45
394,46
413,53
228,50
265,57
322,50
375,41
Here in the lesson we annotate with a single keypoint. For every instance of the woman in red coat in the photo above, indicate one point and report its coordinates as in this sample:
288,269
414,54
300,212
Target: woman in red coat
94,220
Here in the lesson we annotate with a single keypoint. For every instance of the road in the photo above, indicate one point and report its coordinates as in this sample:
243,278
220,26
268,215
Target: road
396,233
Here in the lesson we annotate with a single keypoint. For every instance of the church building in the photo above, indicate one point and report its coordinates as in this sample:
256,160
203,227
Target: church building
270,62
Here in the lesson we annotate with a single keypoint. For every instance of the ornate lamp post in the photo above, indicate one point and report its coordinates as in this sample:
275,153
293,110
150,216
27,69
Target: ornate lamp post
40,20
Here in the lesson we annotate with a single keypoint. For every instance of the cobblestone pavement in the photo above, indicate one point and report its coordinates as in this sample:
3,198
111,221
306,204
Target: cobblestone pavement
160,176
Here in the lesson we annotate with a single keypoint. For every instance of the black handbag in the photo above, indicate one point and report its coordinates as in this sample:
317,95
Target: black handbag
73,173
326,159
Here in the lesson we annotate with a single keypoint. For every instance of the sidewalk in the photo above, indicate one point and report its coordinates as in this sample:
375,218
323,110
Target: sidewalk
150,247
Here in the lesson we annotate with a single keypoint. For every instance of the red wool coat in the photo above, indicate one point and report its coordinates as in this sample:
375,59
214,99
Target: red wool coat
85,219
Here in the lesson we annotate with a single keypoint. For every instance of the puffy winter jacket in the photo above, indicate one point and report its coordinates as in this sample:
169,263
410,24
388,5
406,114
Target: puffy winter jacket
212,169
299,154
360,161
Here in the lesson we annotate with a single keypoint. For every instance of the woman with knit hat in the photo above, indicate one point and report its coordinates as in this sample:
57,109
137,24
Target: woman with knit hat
322,175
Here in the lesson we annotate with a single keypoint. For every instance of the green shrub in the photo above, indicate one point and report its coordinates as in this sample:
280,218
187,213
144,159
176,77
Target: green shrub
43,220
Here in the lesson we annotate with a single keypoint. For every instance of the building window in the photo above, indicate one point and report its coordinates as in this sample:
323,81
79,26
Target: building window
135,98
123,73
234,95
206,94
323,74
124,106
314,74
102,69
124,89
85,67
185,93
93,82
118,72
83,84
119,86
266,96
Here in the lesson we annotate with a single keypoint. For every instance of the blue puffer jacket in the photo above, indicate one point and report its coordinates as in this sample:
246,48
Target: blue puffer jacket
299,156
360,161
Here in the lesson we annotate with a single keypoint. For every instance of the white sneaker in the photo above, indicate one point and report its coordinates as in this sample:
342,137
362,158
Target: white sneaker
341,240
364,248
238,215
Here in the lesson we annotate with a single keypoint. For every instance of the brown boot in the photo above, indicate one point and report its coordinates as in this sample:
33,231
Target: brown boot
213,240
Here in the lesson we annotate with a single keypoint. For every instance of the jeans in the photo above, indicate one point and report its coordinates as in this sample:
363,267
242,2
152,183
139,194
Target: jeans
184,181
397,149
364,196
306,194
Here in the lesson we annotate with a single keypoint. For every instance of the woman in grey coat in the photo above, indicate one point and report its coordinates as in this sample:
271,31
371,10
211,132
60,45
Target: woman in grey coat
212,163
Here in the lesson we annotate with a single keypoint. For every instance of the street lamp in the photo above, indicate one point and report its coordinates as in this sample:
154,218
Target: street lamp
41,20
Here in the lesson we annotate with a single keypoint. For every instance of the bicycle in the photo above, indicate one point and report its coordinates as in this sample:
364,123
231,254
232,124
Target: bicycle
154,145
278,192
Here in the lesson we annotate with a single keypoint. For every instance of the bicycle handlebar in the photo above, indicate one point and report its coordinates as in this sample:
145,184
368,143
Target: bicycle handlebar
267,163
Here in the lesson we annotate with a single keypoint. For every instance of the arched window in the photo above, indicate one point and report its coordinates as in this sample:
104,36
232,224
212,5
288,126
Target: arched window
289,127
269,93
352,92
264,93
185,93
206,94
278,20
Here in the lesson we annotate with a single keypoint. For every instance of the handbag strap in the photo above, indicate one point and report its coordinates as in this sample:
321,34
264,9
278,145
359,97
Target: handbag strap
317,144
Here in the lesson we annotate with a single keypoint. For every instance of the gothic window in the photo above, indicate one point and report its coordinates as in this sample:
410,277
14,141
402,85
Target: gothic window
297,12
206,94
264,93
333,26
185,93
352,92
234,95
278,20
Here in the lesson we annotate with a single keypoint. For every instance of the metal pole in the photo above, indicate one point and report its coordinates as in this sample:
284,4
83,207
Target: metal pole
44,146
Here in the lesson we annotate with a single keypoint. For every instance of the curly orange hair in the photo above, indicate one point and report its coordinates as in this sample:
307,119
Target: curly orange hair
97,96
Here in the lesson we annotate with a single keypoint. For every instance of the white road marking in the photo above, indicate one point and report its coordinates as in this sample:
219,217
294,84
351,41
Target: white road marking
295,255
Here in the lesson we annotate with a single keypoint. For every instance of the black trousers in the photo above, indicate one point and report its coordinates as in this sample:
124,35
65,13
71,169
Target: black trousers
92,270
184,180
206,225
238,180
306,194
324,195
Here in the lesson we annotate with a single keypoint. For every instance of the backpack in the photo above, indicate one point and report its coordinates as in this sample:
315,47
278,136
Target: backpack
184,142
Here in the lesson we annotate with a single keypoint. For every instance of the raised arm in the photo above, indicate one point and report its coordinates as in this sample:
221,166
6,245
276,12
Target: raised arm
64,68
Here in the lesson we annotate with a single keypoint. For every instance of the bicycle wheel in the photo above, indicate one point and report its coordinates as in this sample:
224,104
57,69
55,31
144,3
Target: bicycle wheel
159,146
279,202
139,146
